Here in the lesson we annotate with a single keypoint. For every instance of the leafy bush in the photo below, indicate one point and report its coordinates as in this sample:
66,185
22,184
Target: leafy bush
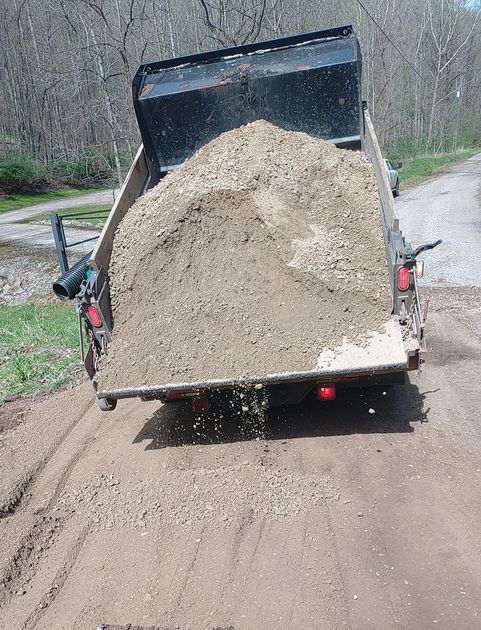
422,167
20,173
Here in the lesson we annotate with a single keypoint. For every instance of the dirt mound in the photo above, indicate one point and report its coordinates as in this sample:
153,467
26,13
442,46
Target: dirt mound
260,250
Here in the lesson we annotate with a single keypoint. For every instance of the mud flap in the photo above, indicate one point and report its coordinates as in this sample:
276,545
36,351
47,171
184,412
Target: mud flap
89,361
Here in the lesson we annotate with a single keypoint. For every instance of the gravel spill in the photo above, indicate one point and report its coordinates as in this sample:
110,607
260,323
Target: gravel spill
185,497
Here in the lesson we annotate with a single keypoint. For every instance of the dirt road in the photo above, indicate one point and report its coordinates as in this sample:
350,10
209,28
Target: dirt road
326,517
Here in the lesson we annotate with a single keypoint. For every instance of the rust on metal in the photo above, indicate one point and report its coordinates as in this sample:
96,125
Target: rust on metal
147,89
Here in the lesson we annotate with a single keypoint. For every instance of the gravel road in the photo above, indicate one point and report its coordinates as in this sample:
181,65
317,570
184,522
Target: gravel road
32,235
326,517
27,234
99,196
447,207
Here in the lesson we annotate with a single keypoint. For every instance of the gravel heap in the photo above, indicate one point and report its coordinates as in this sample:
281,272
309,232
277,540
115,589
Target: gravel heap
260,250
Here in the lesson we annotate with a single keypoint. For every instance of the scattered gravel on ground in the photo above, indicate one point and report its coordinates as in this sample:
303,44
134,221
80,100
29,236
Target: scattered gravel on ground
260,250
457,299
184,497
26,273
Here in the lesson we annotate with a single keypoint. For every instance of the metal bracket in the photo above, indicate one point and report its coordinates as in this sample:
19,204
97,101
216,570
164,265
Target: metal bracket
60,241
61,245
412,254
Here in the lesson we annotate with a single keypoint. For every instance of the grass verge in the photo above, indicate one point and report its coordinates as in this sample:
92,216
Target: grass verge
38,348
14,202
419,168
78,214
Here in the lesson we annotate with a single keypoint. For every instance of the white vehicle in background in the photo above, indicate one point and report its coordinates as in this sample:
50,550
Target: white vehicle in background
393,176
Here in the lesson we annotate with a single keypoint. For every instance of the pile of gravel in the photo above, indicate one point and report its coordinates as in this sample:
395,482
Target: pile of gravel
263,248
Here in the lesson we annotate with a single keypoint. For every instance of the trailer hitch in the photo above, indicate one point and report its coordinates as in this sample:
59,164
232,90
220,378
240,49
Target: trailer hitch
412,254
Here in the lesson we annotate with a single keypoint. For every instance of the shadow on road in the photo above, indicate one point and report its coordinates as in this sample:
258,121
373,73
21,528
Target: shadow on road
395,408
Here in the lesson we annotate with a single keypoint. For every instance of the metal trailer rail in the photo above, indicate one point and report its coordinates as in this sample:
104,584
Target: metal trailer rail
200,387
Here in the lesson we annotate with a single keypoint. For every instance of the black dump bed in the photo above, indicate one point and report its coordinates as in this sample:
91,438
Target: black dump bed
308,82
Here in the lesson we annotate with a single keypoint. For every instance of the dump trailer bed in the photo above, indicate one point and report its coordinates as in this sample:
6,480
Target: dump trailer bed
388,354
308,83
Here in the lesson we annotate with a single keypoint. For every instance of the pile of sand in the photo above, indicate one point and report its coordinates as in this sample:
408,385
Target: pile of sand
260,250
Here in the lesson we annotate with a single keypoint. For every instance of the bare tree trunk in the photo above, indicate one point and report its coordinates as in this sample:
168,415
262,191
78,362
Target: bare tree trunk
108,108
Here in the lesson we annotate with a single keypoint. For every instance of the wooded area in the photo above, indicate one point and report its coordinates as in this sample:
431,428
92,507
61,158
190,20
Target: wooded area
67,66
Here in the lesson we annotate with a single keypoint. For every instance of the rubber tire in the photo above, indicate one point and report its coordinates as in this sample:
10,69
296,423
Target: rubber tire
107,404
396,192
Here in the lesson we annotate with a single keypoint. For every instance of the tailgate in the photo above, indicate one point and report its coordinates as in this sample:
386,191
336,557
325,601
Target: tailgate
392,350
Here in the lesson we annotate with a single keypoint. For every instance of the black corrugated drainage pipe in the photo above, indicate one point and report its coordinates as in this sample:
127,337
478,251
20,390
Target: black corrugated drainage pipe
68,285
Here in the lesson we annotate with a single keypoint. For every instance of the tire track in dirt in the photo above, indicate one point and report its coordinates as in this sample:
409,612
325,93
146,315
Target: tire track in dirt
10,503
244,524
256,539
60,578
185,587
44,523
186,577
20,495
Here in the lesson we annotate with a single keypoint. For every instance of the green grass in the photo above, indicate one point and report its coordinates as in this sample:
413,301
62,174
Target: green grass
14,202
78,211
38,348
419,168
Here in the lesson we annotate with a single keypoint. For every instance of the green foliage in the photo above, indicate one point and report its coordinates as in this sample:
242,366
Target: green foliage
403,148
19,173
470,137
38,348
419,168
407,147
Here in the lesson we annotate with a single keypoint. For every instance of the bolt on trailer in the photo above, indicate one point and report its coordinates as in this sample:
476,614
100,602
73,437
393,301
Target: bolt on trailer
310,83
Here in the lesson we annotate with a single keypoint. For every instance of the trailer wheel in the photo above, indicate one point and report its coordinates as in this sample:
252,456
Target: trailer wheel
107,404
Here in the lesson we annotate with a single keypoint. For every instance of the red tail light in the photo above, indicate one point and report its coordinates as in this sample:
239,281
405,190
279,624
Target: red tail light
403,278
94,316
200,404
326,392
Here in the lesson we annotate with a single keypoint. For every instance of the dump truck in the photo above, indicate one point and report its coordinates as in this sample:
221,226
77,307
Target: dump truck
311,83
